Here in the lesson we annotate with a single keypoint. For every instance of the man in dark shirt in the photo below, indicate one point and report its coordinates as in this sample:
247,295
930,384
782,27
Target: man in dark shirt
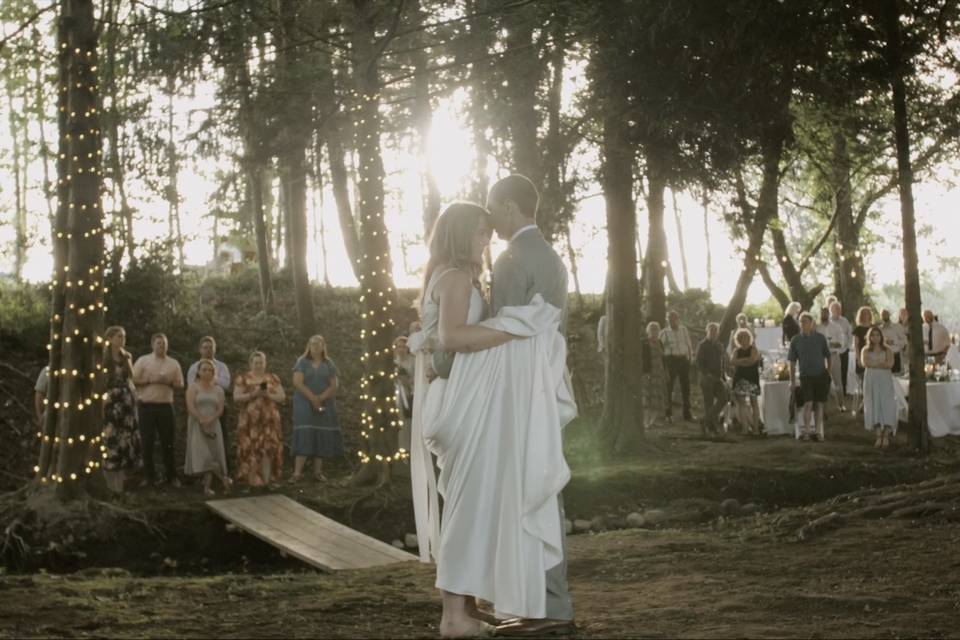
810,353
710,365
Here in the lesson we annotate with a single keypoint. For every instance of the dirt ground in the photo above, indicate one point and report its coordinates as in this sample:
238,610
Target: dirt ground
876,575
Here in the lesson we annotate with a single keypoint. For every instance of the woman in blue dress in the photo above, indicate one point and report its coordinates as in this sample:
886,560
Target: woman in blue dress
316,430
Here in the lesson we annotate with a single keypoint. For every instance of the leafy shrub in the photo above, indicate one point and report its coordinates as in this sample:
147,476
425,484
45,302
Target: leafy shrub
25,316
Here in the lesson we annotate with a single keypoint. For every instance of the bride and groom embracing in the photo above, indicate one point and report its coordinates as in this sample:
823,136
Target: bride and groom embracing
492,416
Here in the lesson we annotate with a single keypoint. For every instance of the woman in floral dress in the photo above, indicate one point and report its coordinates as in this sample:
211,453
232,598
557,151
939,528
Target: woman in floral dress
259,431
121,437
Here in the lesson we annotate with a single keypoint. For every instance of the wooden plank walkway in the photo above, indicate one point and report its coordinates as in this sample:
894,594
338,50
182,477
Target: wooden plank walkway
306,534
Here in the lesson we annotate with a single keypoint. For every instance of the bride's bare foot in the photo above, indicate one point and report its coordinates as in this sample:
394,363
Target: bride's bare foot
465,627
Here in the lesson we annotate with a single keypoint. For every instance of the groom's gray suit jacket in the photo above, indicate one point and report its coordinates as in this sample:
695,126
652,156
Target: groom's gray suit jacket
528,266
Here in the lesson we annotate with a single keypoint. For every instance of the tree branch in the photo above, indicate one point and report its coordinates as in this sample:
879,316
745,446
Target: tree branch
24,25
781,296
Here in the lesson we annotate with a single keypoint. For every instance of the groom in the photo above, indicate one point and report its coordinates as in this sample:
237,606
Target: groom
528,266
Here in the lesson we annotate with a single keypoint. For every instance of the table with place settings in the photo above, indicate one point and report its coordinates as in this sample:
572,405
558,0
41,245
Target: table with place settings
943,406
775,409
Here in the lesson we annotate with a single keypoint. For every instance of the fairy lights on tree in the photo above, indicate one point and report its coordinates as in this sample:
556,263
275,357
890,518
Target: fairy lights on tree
71,441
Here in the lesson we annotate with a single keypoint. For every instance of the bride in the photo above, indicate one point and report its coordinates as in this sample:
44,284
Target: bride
494,427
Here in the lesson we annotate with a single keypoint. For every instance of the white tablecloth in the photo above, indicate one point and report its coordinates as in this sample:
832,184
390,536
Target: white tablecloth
953,357
775,409
943,406
769,339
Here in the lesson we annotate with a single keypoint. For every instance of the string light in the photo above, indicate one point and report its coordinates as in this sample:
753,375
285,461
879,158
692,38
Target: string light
75,376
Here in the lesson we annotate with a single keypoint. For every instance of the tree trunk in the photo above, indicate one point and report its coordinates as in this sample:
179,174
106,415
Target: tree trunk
779,294
319,227
521,64
70,439
293,170
706,241
574,271
554,208
379,424
655,260
253,168
772,149
40,113
339,183
480,38
849,262
683,250
173,166
423,116
622,420
19,186
918,383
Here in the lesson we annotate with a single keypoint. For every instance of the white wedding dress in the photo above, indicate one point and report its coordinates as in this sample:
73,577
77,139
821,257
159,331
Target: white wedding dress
495,429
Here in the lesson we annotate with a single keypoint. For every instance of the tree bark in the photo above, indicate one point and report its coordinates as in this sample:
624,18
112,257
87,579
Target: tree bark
683,250
706,241
772,150
293,170
918,385
173,165
339,183
523,69
19,185
380,423
70,438
655,260
849,262
423,116
622,419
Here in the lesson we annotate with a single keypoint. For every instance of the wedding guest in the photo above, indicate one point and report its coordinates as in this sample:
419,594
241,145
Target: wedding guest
903,319
406,368
864,322
833,332
316,430
809,358
121,434
879,399
895,338
746,381
259,430
710,365
790,326
205,453
40,394
677,354
936,338
742,323
157,376
207,348
654,378
836,316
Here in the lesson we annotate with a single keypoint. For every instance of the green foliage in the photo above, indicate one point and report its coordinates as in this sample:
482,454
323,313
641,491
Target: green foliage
769,309
24,315
696,309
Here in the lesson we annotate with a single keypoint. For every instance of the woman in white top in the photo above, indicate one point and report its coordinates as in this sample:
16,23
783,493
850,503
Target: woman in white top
879,400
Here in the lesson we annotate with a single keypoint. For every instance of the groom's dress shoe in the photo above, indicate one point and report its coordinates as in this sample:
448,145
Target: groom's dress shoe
536,628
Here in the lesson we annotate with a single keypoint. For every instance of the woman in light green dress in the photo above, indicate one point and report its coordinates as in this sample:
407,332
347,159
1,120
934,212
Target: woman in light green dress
205,452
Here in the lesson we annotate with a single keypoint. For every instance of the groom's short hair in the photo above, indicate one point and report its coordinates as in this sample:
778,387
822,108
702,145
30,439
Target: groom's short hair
519,189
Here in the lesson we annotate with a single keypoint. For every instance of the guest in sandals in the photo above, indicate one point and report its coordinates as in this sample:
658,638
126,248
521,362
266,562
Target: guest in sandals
316,430
259,431
205,453
746,381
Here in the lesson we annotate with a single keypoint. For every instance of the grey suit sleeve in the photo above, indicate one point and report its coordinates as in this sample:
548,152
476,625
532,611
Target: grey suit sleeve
509,284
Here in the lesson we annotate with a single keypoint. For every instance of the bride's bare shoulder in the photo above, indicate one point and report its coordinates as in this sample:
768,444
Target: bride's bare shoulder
453,280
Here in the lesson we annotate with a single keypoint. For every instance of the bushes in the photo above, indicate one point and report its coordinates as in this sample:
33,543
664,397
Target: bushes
25,316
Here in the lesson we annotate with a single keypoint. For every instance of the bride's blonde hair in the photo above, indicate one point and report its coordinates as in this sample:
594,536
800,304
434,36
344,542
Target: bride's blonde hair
451,240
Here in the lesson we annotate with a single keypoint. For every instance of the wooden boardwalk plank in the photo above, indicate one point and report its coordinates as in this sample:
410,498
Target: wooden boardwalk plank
306,534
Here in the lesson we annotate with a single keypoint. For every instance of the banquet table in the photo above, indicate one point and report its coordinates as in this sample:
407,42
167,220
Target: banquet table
775,409
943,406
